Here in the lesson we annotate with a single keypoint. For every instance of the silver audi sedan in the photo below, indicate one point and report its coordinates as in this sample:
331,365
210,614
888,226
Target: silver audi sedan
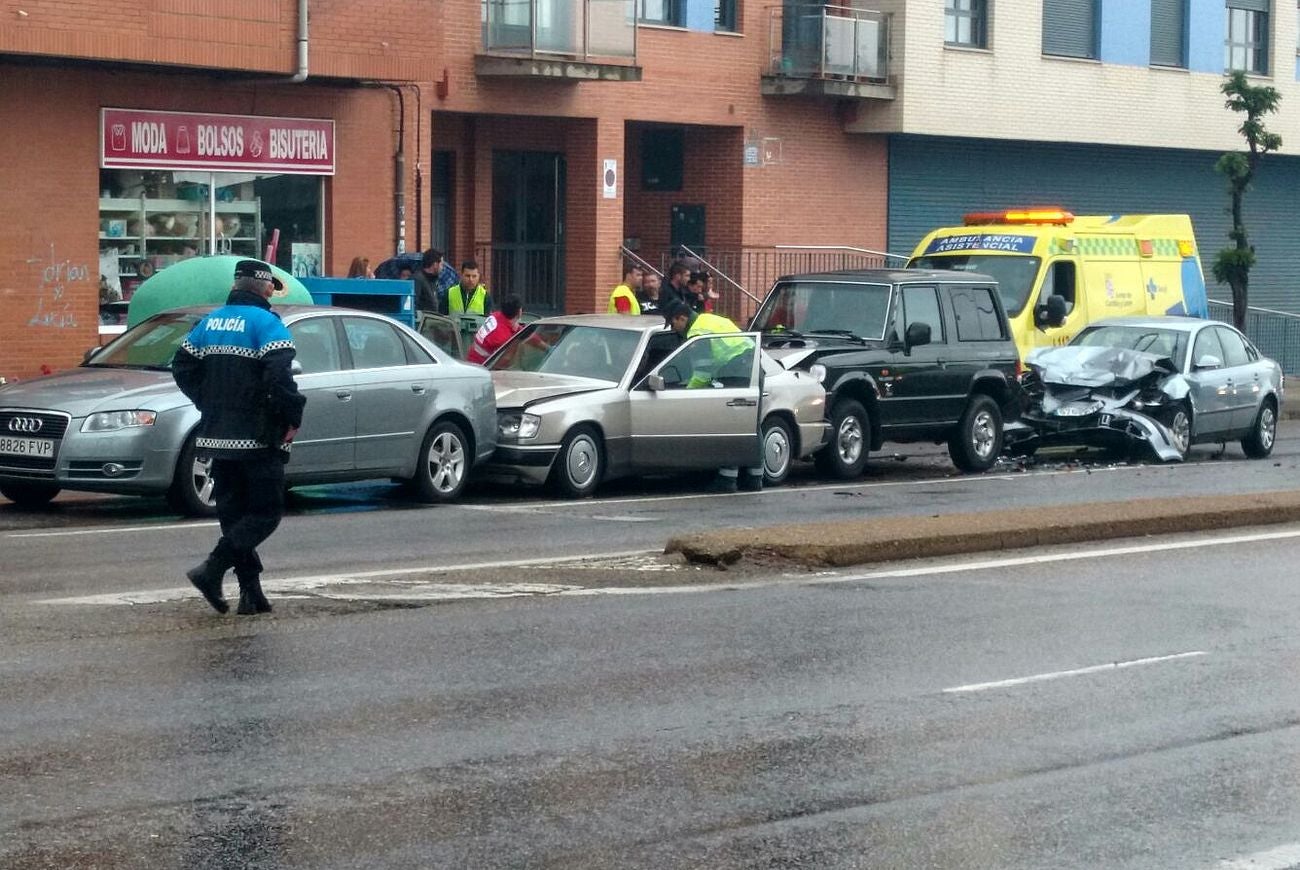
587,398
382,402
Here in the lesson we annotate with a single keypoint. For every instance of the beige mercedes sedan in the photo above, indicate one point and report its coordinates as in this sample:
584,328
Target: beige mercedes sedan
586,398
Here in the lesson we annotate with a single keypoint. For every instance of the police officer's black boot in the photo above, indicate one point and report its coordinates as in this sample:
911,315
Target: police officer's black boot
251,598
208,574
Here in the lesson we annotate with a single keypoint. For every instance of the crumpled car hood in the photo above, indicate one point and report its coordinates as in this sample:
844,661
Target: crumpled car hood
1097,366
519,389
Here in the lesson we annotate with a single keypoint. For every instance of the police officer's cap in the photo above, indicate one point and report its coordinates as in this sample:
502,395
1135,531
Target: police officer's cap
254,269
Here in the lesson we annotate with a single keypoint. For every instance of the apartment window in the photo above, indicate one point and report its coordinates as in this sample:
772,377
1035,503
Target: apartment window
1169,33
1070,28
724,15
668,12
1246,47
966,22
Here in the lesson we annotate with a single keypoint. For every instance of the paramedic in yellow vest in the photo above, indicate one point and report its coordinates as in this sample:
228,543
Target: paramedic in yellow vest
687,323
469,296
623,300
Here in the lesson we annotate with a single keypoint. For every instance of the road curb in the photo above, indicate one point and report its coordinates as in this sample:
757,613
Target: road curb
885,539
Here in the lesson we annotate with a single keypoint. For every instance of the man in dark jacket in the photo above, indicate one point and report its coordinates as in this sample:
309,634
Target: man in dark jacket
234,366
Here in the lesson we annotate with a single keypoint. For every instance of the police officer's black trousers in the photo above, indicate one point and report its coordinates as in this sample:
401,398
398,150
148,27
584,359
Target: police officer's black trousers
250,502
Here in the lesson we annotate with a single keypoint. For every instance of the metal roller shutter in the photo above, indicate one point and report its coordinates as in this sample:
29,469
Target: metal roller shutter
1070,27
1168,32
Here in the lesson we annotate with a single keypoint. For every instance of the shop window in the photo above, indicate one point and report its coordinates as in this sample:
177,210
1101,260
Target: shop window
149,220
662,154
1169,33
1246,46
966,23
1070,28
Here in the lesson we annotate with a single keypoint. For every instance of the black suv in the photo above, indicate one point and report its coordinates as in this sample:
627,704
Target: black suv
915,355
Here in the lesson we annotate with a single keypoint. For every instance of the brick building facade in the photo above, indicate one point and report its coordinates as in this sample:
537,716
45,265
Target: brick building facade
482,143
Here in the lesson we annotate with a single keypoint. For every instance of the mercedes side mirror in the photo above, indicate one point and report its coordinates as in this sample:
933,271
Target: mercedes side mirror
295,367
654,383
916,335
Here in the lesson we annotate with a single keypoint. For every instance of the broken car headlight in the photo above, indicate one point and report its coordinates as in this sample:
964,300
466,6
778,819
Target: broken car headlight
514,425
1079,409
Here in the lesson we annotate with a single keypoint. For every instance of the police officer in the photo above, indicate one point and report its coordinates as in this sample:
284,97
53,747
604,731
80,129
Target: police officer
688,323
234,366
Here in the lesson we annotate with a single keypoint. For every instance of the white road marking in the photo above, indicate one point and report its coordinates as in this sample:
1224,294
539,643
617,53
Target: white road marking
113,530
1281,858
1057,675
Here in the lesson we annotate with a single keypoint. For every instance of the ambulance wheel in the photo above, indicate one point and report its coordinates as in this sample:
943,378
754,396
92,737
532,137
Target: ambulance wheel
191,490
28,494
978,440
580,464
1259,443
846,454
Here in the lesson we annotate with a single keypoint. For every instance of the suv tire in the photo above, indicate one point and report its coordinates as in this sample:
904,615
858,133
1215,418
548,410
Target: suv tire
846,454
977,443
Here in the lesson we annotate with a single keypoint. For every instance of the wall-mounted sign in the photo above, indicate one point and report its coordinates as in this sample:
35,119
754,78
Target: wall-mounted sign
142,139
610,178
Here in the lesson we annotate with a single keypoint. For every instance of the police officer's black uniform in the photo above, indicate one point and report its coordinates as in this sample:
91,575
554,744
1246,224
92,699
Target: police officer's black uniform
234,366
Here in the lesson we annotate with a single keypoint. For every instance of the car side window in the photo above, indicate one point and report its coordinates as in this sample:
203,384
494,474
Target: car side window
317,345
1207,344
1059,281
1234,349
921,305
374,344
976,314
415,355
711,361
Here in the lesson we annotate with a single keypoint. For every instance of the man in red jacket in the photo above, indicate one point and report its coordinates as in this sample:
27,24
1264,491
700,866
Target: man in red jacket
499,328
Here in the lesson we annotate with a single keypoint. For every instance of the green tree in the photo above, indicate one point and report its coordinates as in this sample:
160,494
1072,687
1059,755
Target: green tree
1232,265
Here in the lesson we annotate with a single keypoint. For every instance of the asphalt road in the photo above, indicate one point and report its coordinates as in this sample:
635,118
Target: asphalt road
767,721
968,717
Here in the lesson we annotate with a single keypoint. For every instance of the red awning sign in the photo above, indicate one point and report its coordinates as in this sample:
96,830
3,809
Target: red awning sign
142,139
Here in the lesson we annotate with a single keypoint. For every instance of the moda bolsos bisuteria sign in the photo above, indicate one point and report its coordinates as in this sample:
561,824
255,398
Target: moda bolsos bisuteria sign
140,138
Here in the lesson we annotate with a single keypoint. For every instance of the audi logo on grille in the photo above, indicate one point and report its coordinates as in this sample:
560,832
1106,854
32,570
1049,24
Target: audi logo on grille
26,424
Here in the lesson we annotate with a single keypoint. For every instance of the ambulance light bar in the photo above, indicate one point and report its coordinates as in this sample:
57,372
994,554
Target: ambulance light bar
1020,216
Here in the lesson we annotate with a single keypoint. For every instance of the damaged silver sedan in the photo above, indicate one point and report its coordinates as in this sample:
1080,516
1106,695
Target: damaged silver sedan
1154,385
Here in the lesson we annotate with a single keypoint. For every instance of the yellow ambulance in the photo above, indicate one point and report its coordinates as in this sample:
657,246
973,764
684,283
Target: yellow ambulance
1057,272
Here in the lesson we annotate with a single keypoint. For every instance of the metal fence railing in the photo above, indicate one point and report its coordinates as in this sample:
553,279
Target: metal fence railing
742,277
1275,333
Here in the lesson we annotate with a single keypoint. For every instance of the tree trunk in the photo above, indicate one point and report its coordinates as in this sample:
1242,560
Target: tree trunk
1239,305
1239,286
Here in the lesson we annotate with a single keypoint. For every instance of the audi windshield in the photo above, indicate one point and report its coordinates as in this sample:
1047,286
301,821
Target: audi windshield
150,345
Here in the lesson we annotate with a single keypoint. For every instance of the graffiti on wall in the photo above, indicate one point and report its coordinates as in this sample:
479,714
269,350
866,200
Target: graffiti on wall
53,305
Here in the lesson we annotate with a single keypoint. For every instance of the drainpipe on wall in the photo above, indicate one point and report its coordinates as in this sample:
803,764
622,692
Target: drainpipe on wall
301,75
399,171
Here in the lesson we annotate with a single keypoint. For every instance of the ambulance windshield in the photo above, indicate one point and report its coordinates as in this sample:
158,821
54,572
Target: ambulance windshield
1014,273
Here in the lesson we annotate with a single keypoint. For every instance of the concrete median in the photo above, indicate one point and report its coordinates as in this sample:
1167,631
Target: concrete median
884,539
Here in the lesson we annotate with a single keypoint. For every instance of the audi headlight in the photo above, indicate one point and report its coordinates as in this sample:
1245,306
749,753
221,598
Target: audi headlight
112,421
518,426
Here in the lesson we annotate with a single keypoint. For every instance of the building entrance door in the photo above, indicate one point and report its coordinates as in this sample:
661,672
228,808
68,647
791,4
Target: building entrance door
528,228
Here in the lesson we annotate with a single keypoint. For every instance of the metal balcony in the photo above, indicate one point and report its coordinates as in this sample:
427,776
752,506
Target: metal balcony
578,40
828,51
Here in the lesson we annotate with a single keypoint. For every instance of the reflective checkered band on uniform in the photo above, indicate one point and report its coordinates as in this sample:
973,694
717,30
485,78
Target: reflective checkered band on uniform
275,345
190,349
230,350
228,444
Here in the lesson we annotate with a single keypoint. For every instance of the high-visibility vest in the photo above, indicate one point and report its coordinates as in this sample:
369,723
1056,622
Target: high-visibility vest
477,301
625,292
722,351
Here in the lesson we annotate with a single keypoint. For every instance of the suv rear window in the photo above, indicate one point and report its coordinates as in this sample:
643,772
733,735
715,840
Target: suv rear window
976,313
831,307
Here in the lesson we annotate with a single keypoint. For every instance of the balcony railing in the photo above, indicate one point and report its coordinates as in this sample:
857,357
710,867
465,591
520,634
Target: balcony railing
587,31
828,42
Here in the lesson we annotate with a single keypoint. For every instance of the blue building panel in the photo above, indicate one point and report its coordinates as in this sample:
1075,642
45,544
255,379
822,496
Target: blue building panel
1207,23
934,181
1126,32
